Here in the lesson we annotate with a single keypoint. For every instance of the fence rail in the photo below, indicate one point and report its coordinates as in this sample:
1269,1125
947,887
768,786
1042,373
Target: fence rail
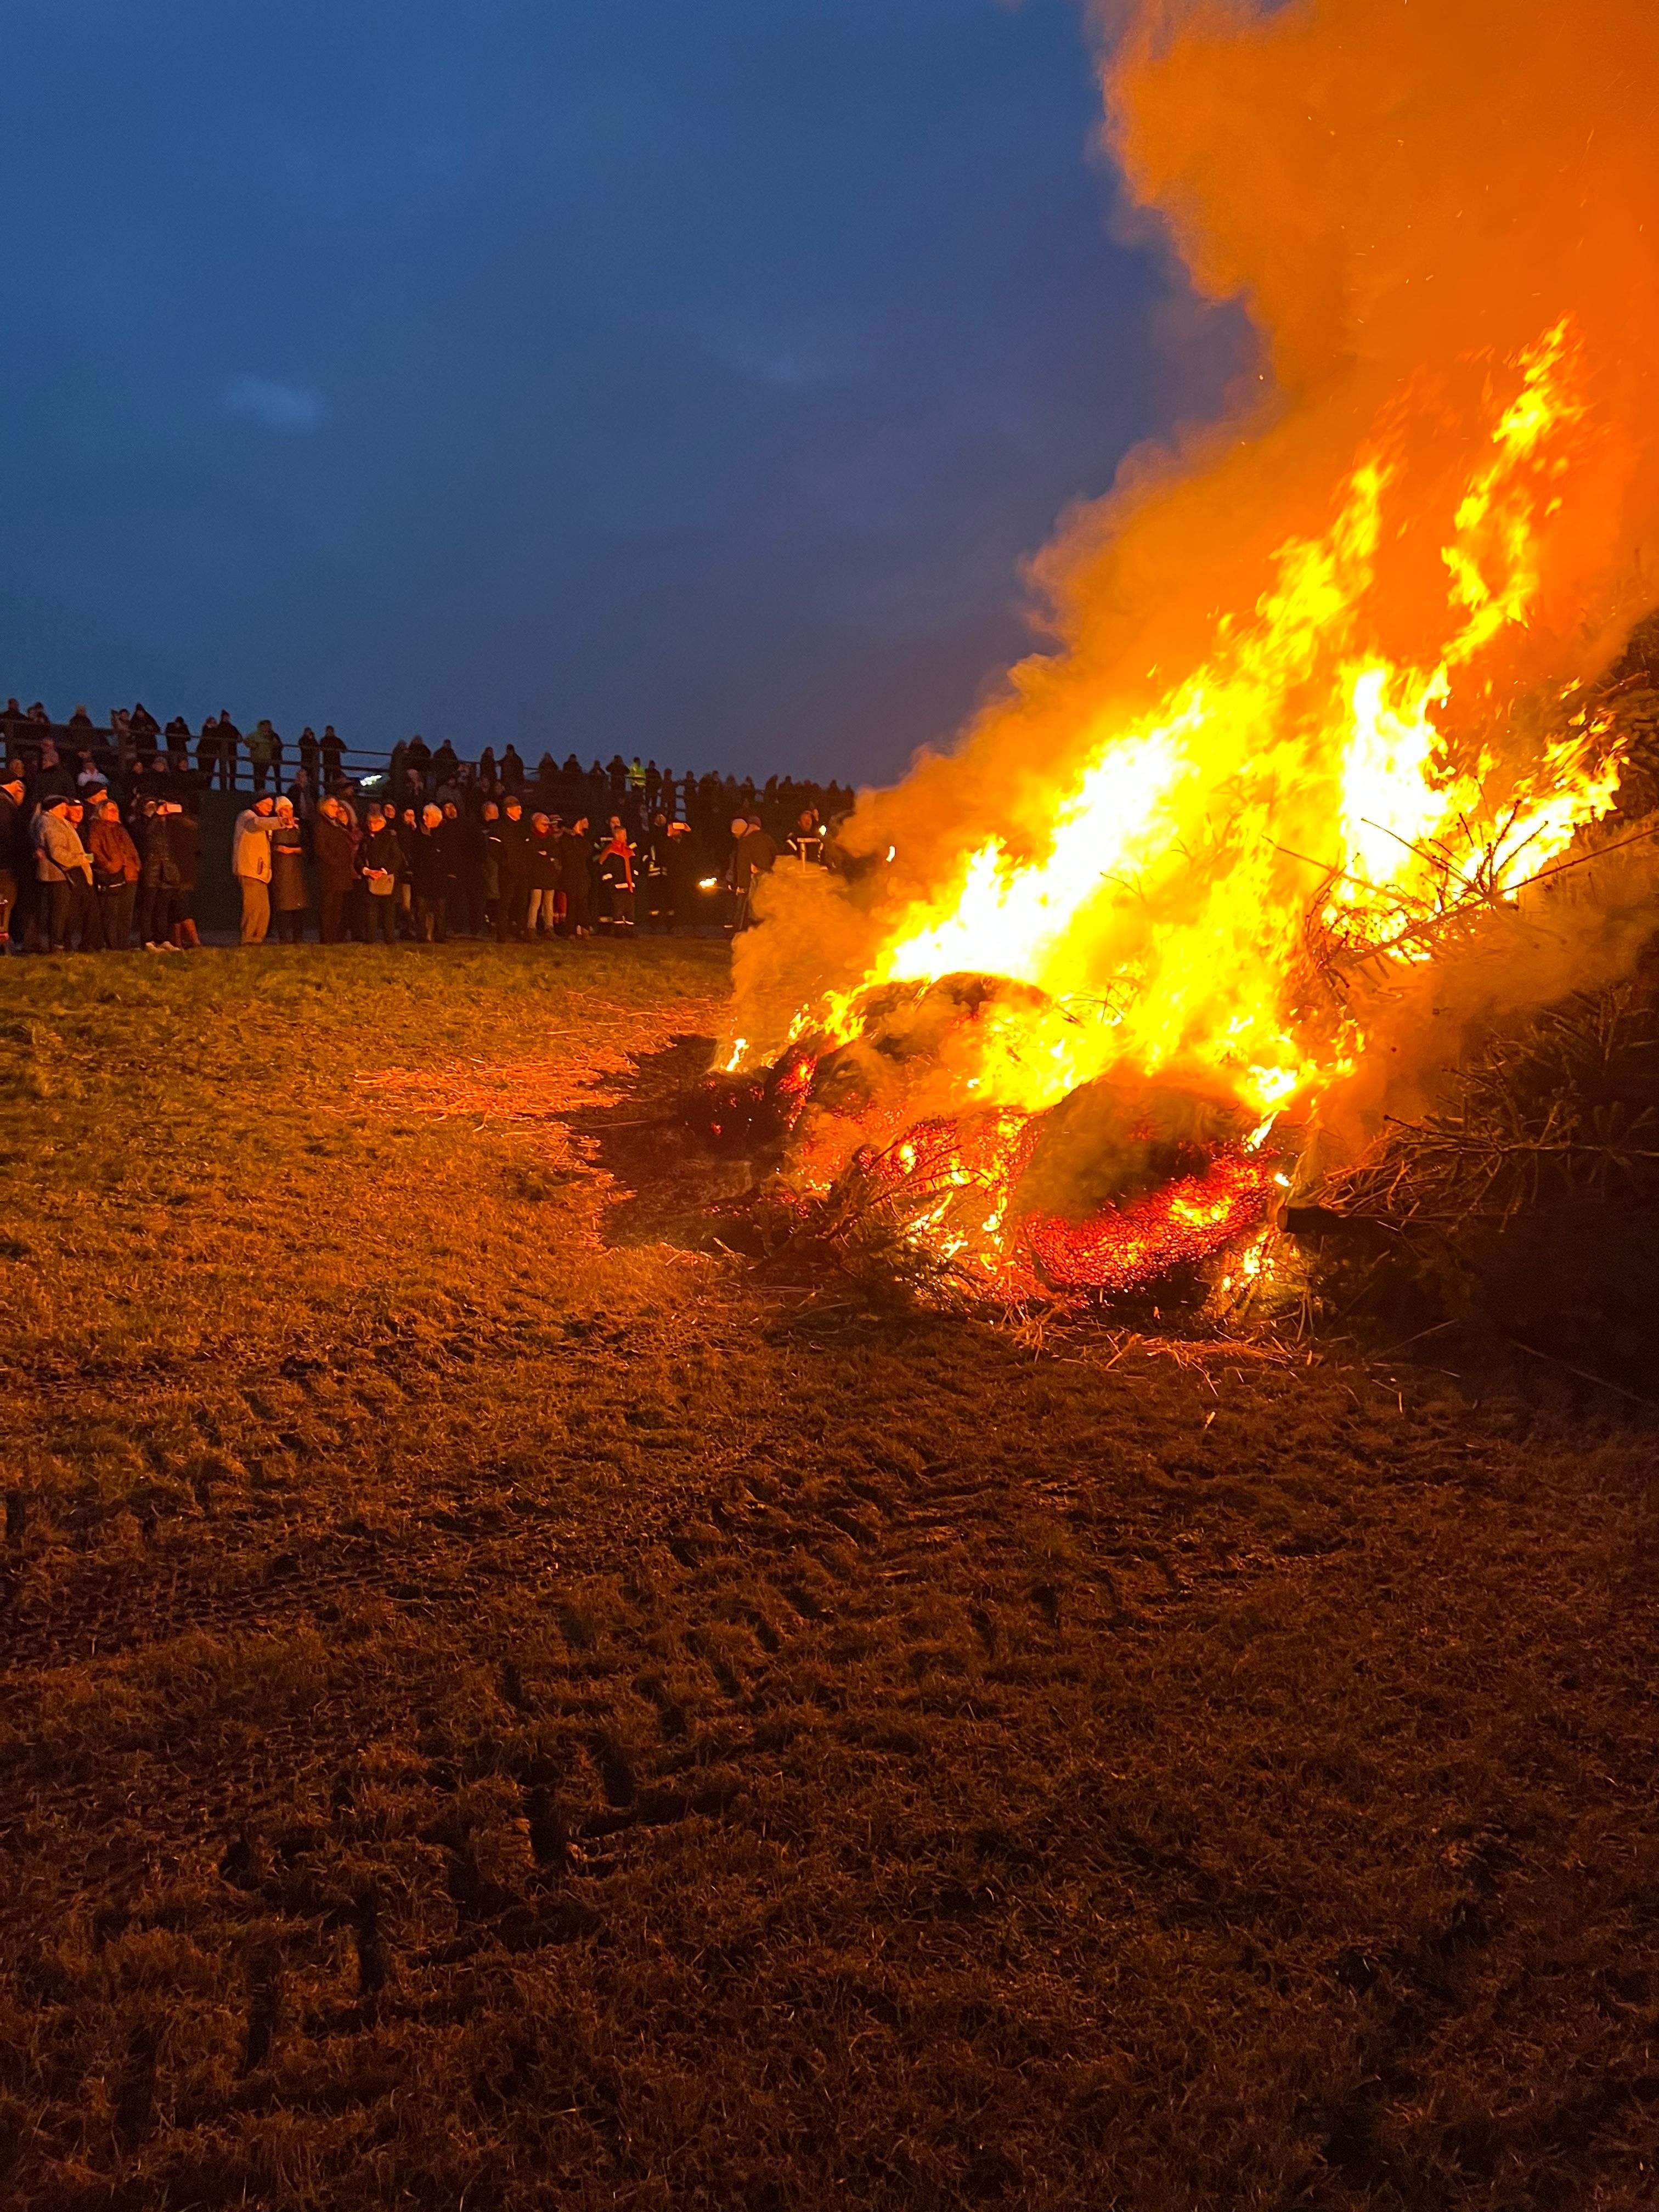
23,739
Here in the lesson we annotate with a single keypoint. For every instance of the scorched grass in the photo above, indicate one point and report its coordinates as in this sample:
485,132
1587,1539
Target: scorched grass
498,1713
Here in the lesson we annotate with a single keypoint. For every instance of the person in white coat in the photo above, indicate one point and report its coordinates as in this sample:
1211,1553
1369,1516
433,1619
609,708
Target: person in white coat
250,863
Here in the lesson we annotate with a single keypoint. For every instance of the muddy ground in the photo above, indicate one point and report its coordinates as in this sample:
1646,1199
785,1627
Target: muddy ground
499,1712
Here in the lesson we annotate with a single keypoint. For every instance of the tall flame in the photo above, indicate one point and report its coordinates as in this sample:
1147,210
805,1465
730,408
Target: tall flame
1165,916
1297,691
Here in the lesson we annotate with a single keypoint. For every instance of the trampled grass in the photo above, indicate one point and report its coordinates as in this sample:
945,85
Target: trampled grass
499,1712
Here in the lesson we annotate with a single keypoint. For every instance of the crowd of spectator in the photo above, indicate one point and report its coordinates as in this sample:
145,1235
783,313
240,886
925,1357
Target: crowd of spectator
100,841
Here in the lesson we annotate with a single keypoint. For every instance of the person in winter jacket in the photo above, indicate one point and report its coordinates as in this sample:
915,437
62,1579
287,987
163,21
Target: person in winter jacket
261,752
754,854
163,832
682,896
63,867
616,882
288,874
659,913
431,879
380,863
250,863
14,853
53,778
115,869
336,867
541,918
576,873
489,863
185,843
514,869
806,839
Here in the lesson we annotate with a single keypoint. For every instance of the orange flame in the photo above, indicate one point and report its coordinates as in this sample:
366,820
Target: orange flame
1165,918
1294,701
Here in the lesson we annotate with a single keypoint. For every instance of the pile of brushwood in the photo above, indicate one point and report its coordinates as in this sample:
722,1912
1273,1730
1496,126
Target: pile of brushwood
855,1246
1525,1210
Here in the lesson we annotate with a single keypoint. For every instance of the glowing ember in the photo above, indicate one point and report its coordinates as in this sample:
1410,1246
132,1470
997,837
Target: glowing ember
1182,1225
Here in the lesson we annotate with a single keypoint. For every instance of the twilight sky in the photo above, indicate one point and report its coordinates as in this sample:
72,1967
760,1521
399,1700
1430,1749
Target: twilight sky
690,376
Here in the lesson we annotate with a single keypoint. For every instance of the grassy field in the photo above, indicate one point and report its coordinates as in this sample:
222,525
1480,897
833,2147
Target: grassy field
499,1713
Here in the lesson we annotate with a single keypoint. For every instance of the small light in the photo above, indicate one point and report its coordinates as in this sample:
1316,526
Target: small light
708,884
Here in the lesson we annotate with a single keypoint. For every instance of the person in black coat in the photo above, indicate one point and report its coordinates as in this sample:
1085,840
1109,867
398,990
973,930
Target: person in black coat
336,867
431,879
514,870
158,873
682,898
576,877
541,918
16,856
185,843
53,778
659,913
380,863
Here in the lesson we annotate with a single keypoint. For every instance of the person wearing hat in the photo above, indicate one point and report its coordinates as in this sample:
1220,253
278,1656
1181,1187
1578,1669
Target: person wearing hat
63,867
14,848
250,863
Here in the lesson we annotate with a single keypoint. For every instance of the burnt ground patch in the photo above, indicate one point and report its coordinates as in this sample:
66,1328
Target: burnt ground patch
669,1184
495,1712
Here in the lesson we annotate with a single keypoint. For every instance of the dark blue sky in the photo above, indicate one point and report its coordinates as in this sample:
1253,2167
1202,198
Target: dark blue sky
684,375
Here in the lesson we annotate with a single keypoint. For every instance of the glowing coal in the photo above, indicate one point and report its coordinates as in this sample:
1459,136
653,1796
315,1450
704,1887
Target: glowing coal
1125,1185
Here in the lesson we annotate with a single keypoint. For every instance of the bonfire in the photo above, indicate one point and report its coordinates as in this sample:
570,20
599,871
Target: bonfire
1336,767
